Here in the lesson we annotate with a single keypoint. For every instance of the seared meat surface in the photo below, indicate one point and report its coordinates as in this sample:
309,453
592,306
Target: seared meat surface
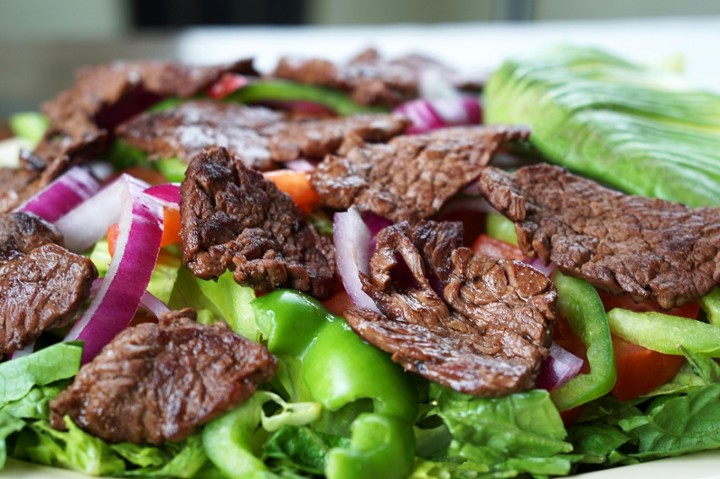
259,136
484,329
371,79
42,285
410,177
233,218
158,382
648,248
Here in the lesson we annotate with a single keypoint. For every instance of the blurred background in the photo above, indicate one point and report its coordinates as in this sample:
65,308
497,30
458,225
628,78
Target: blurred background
43,41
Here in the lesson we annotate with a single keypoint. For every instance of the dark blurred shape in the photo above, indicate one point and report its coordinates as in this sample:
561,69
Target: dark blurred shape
185,13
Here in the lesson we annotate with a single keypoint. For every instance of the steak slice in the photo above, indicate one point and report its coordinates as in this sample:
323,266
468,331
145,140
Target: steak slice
157,382
486,333
316,138
233,218
648,248
83,117
259,136
410,177
371,79
42,285
192,126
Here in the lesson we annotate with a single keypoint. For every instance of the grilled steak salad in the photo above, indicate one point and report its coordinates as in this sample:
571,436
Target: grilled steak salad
321,271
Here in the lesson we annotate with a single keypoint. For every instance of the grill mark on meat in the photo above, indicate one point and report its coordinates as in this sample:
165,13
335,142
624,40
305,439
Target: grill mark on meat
260,137
486,332
371,79
648,248
232,218
410,177
42,285
158,382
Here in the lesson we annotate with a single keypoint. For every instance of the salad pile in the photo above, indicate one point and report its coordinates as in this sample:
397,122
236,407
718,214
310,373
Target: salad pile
623,379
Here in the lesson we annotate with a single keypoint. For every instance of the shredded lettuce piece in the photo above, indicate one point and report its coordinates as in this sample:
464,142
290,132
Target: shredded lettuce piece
18,376
217,300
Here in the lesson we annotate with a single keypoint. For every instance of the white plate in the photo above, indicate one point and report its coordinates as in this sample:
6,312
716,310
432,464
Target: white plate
704,465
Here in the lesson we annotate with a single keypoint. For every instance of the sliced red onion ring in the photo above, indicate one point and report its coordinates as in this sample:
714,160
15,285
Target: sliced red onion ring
128,275
62,195
29,349
559,368
538,264
427,115
301,164
167,193
352,253
152,304
84,225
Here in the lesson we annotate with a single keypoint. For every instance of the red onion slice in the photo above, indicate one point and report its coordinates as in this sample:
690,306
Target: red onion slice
301,164
167,193
63,194
352,254
559,368
128,275
152,304
427,115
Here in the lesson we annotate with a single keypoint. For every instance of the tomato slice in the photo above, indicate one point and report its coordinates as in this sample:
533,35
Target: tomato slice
297,185
493,247
227,84
640,370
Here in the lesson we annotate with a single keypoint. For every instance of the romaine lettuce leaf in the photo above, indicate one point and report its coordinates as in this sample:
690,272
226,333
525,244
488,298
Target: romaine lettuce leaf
223,299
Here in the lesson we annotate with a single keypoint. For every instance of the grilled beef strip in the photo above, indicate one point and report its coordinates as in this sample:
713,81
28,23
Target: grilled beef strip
371,79
483,328
410,177
648,248
233,218
42,285
158,382
260,136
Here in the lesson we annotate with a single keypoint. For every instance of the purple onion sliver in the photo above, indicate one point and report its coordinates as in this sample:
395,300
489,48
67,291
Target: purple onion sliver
128,275
538,264
152,304
301,164
559,368
26,351
168,193
63,194
352,254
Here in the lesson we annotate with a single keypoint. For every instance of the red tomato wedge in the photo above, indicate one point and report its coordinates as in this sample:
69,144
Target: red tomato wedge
493,247
640,370
297,185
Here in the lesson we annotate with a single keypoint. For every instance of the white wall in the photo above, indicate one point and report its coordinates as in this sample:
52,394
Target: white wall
345,12
67,19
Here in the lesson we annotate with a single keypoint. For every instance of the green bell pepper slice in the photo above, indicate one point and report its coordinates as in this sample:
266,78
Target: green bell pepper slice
323,360
336,366
228,442
665,333
378,440
710,303
283,90
580,304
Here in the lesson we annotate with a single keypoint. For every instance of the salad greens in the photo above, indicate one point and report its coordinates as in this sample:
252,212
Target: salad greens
638,129
342,409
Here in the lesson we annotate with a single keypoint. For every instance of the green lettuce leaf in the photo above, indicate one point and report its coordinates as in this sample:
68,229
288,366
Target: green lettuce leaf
503,437
8,424
217,300
17,377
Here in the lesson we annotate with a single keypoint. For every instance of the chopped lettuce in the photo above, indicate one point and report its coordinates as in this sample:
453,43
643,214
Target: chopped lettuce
17,377
217,300
503,437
